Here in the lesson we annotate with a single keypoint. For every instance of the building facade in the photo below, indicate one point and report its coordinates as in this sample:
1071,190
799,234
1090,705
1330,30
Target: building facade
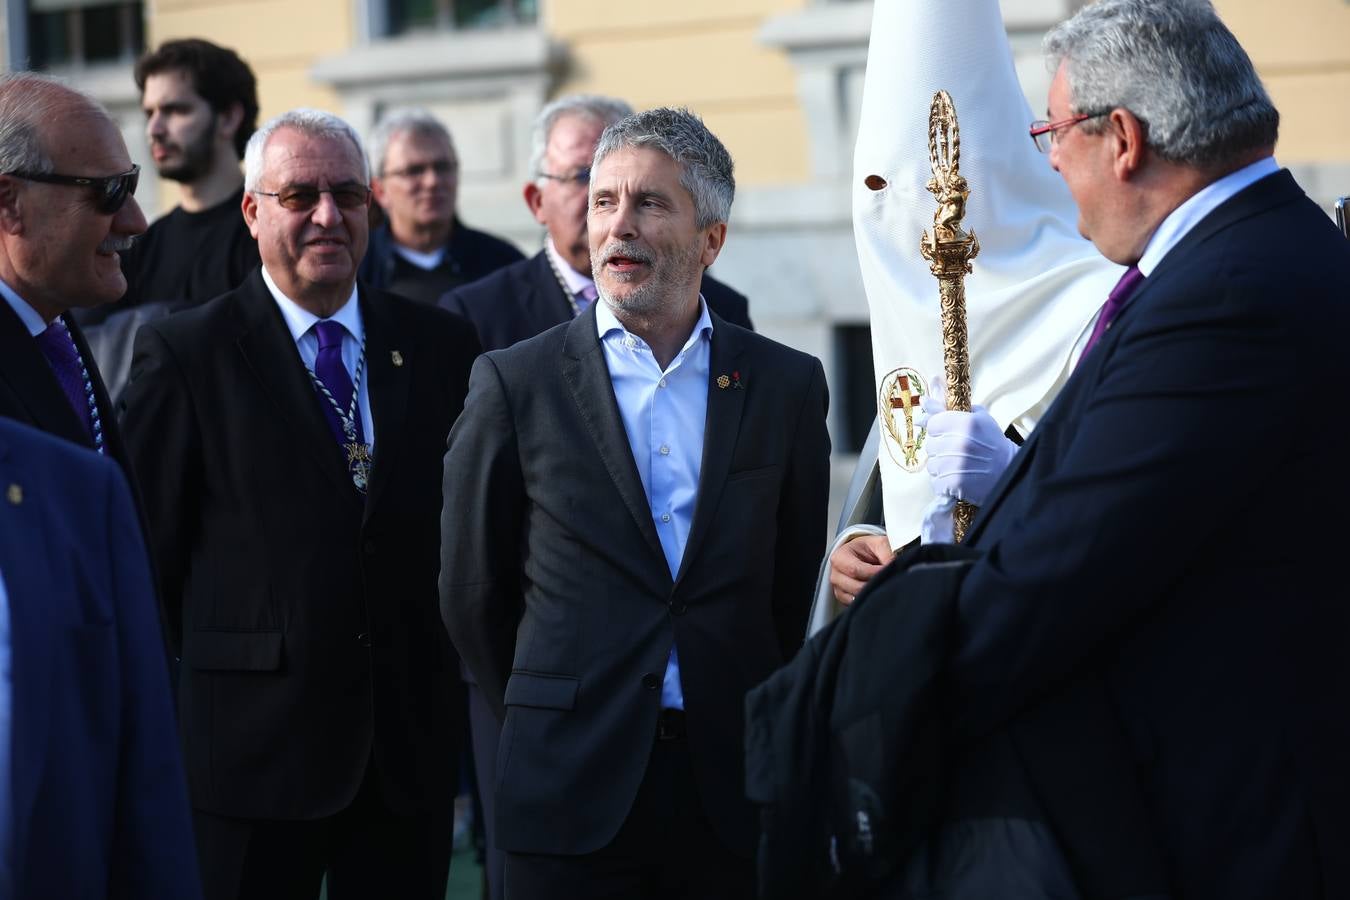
779,80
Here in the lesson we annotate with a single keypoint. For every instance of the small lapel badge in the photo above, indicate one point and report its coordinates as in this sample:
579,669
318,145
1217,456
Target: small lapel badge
736,381
397,358
723,382
14,495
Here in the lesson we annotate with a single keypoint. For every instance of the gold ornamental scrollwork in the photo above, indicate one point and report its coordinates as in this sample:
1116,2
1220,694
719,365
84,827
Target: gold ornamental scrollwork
949,248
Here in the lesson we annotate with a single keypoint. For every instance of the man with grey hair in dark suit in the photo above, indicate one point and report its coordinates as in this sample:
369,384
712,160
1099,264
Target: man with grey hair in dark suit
634,513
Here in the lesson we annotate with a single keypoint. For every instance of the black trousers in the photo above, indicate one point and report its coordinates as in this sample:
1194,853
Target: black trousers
485,732
665,849
367,850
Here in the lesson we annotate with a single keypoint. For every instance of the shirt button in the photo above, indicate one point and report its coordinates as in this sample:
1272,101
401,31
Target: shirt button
665,450
661,383
665,517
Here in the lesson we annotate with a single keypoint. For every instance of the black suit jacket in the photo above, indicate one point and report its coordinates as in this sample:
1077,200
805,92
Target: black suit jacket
1174,527
524,299
29,391
557,593
306,616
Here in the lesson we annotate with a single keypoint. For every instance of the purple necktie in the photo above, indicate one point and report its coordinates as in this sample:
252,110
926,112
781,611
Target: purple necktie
586,296
64,357
330,370
1120,295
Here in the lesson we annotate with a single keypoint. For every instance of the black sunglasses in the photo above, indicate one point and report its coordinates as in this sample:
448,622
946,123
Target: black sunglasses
110,193
303,199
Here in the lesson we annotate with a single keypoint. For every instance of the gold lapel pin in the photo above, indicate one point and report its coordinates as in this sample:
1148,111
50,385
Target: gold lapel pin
723,382
396,357
14,495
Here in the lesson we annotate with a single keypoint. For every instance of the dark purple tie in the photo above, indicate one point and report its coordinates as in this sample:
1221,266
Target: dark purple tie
1120,295
330,370
62,355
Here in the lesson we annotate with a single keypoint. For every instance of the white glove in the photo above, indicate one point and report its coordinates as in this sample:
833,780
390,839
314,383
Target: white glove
939,521
967,451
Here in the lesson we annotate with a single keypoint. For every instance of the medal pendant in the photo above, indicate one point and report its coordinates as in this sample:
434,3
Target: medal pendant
359,463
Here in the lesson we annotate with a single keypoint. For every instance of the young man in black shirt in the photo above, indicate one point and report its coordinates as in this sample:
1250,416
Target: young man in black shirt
201,106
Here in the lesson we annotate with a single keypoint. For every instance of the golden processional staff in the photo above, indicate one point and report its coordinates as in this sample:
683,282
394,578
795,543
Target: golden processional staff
949,250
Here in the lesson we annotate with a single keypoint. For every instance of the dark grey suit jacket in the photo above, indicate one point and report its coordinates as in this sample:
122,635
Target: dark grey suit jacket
556,591
305,613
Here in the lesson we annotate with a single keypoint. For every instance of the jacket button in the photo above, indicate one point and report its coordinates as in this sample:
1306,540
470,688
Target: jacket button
363,639
369,548
679,607
650,681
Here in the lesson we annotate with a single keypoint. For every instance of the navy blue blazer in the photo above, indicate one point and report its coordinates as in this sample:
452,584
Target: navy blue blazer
99,799
1174,526
524,299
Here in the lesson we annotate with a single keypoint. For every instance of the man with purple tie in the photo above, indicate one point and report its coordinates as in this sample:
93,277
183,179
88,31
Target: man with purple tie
292,432
66,212
1167,543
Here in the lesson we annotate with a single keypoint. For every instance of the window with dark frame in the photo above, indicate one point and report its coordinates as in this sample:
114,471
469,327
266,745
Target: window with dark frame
413,16
75,35
853,382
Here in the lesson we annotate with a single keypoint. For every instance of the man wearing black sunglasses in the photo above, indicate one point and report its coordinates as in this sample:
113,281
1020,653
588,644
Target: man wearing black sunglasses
66,214
422,249
294,428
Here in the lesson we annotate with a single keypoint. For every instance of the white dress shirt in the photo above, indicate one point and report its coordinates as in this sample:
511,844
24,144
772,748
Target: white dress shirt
29,316
301,324
664,413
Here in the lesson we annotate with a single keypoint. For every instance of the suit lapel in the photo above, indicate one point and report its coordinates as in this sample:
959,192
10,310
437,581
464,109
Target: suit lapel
389,386
269,351
29,581
31,379
587,378
720,430
550,301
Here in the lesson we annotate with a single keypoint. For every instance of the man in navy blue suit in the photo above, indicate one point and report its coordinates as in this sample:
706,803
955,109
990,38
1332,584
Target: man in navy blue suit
93,801
1172,529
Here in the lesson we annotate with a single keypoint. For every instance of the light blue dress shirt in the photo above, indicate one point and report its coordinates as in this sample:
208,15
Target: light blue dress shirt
301,321
1200,204
6,747
663,414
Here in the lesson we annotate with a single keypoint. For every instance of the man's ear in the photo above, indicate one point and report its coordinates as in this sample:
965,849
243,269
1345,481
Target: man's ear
713,241
534,199
377,189
1128,139
249,207
227,122
11,206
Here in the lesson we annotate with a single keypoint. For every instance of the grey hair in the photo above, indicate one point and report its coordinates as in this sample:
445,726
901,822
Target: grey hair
313,123
706,169
27,101
603,110
409,121
1175,66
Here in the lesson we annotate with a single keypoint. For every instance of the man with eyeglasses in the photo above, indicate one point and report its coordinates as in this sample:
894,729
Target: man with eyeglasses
422,249
292,432
555,285
66,215
200,103
1164,548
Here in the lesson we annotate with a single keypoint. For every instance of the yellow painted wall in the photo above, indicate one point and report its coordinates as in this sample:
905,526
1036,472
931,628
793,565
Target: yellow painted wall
279,39
702,54
1302,50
